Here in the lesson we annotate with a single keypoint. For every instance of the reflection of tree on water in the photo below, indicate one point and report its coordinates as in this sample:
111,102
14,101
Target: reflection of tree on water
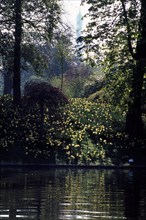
26,195
130,184
55,194
12,210
134,202
90,196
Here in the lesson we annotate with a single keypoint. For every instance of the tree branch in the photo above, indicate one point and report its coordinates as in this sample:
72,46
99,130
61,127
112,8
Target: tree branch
128,30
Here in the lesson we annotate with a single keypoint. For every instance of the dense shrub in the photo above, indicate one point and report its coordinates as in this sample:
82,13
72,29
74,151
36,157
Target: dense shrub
88,126
81,132
24,129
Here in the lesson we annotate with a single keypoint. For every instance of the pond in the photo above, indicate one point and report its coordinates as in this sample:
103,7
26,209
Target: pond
62,194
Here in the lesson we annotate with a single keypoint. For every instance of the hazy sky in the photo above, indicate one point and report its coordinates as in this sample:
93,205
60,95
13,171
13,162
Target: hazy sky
73,12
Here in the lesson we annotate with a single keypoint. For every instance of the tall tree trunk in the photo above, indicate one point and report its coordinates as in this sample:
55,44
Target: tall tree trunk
134,125
17,53
8,82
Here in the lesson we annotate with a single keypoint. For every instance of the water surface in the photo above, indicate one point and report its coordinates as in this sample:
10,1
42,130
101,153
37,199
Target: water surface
62,194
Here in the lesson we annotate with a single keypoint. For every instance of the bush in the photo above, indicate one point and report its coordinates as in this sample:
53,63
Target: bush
81,132
87,130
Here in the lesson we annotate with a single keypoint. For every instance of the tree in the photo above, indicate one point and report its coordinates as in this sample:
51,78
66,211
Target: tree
41,93
134,124
7,62
63,51
35,58
27,21
6,44
17,51
116,34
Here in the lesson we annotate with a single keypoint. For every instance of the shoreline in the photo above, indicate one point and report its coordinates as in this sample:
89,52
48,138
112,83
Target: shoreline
66,166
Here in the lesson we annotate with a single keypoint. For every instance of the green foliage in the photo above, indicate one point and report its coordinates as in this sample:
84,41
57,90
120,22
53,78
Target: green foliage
115,37
35,60
71,88
80,80
108,25
21,126
116,31
81,132
117,87
88,124
10,127
23,36
97,96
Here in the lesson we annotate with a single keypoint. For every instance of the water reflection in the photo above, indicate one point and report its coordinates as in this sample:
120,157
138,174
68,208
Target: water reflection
56,194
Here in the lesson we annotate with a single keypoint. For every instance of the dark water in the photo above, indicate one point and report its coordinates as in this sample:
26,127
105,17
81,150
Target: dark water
54,194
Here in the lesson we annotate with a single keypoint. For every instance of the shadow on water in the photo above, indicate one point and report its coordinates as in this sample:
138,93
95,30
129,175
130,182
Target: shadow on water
55,194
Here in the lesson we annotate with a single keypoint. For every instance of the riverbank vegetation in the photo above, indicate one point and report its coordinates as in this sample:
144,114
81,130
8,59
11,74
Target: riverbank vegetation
63,106
81,132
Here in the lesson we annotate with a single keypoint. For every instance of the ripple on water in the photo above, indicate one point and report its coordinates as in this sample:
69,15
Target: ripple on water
85,214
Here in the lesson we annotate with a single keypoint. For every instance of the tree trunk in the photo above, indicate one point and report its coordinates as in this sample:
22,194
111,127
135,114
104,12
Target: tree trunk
17,53
8,83
134,125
